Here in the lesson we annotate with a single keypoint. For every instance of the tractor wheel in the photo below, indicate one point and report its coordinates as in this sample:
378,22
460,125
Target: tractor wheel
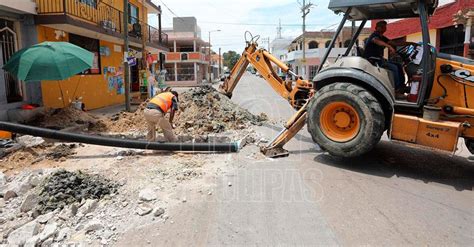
345,120
469,144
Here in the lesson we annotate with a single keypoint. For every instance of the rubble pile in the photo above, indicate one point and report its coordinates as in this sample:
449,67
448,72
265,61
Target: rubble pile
68,117
204,110
63,188
127,121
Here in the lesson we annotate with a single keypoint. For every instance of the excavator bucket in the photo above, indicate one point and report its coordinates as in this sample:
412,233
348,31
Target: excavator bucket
276,152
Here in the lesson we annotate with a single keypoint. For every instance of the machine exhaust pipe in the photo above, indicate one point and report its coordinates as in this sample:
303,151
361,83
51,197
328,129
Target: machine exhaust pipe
114,142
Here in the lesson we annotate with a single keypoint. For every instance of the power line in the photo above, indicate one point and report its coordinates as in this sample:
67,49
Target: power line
259,24
169,9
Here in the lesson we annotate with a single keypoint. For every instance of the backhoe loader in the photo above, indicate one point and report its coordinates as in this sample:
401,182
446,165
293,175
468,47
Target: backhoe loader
352,101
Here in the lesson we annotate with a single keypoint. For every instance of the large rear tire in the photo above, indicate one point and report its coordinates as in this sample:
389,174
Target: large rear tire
345,120
469,144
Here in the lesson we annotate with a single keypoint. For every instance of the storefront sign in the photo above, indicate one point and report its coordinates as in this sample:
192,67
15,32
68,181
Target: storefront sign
131,61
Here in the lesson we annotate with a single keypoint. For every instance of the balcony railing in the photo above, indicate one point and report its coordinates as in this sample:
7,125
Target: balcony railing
102,15
186,56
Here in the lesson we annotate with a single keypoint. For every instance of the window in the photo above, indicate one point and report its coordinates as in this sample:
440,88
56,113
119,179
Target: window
452,40
327,43
132,14
313,45
312,71
92,3
347,43
91,45
184,56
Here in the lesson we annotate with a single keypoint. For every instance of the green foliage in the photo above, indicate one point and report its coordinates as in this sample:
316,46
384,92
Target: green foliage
230,59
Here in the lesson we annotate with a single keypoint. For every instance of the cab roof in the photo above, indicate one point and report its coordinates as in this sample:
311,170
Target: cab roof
380,9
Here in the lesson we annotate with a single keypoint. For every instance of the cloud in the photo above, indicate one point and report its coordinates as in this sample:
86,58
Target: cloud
233,18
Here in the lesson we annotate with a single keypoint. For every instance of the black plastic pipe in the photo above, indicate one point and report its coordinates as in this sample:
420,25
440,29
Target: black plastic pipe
114,142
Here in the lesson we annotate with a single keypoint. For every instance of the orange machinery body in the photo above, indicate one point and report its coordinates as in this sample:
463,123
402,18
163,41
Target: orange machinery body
297,92
457,117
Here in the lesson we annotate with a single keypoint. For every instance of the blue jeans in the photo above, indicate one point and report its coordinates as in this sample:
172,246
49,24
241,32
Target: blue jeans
398,76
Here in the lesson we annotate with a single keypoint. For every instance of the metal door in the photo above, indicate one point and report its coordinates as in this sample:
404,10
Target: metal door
8,46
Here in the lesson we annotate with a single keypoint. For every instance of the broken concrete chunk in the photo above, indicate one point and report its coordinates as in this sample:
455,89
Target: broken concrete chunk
43,219
30,141
144,210
32,242
62,234
34,180
9,195
47,243
88,207
48,231
29,203
23,233
93,225
147,195
158,212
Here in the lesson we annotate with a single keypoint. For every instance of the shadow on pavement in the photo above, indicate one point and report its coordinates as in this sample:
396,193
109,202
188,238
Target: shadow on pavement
298,137
389,159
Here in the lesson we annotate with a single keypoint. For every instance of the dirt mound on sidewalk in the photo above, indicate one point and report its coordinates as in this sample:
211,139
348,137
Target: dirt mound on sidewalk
203,110
63,188
68,117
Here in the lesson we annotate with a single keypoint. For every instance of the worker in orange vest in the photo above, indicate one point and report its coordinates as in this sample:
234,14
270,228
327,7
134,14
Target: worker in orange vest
155,112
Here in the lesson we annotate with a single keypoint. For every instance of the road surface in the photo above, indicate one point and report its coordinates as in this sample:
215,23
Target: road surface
392,196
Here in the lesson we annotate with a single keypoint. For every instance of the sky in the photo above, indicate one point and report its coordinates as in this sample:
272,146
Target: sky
259,17
233,18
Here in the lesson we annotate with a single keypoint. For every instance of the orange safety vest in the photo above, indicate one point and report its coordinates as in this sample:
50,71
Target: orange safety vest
163,100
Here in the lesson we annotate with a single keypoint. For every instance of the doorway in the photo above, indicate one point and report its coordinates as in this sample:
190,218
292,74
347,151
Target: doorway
8,46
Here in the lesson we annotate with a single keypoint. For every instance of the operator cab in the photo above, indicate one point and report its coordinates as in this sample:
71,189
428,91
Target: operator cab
417,60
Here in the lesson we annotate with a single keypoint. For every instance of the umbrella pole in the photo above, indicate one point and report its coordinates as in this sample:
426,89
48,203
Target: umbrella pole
75,90
61,91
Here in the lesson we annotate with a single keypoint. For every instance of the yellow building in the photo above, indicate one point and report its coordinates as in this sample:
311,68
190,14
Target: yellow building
97,26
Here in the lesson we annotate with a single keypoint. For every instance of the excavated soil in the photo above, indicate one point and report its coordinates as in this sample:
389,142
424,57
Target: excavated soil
63,188
202,111
68,117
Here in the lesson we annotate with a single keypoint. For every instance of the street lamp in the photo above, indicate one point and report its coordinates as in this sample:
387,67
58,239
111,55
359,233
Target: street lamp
209,52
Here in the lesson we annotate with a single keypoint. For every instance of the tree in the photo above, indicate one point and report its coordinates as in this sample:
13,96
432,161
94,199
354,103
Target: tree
230,59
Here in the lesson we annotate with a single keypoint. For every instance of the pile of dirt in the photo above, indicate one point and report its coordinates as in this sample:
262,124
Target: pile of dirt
127,121
63,188
203,110
68,117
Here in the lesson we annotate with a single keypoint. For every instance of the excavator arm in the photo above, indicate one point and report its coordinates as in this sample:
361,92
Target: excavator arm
297,92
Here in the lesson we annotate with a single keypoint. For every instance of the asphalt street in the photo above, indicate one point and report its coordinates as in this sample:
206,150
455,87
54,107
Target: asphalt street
394,195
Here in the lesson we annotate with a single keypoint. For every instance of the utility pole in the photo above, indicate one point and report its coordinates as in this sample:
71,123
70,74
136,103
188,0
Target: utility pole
125,64
210,59
220,58
210,68
279,29
305,8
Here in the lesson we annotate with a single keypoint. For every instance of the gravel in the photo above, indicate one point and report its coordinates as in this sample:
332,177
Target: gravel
63,188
